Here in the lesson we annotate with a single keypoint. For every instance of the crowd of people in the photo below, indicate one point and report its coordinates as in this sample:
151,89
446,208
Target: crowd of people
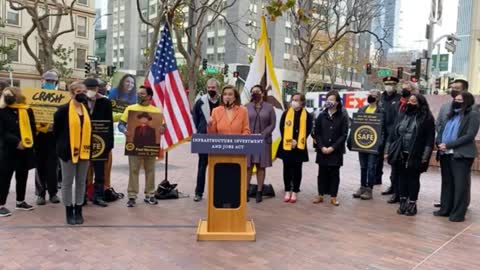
62,152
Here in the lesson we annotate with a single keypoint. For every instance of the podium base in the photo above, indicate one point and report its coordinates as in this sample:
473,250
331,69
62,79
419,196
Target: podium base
204,235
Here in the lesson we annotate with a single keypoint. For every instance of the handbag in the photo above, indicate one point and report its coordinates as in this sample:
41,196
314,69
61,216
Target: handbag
166,191
394,151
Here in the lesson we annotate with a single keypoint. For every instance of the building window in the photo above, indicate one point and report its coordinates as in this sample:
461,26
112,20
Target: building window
211,41
121,40
221,41
13,17
81,26
115,53
122,53
220,23
120,64
210,57
153,9
115,41
288,32
83,2
14,54
221,57
288,47
80,59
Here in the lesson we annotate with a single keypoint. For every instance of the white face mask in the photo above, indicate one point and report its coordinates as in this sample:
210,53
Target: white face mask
91,94
389,88
295,104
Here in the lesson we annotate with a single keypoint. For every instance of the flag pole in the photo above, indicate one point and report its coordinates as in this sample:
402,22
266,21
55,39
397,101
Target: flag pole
166,166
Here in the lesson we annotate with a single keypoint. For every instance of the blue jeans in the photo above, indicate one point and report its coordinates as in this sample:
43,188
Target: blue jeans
368,165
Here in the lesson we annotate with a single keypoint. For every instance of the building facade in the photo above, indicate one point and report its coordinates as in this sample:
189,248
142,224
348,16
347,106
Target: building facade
17,23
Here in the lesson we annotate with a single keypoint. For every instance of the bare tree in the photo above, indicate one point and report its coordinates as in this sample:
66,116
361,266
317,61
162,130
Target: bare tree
331,19
52,9
192,24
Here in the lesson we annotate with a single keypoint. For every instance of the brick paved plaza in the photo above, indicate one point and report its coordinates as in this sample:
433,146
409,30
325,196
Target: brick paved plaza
356,235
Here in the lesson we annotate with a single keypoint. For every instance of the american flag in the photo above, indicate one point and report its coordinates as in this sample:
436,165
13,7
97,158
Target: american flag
169,93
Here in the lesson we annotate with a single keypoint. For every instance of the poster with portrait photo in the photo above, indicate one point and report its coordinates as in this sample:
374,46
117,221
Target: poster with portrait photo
143,133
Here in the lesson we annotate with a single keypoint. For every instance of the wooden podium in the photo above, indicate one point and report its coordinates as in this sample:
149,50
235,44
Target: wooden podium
227,185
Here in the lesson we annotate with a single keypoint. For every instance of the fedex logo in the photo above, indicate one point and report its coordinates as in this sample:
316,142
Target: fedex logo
350,100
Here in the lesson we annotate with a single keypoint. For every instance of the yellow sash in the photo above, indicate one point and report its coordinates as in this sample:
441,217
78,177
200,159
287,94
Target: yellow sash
24,124
79,135
288,130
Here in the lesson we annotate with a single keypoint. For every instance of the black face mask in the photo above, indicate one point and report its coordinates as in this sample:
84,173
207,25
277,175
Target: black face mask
81,98
371,99
9,100
411,109
457,105
405,93
454,93
212,94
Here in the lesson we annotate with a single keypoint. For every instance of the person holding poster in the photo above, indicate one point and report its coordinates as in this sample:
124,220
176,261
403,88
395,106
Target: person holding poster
331,131
142,108
101,115
17,129
262,121
369,160
409,149
295,126
73,132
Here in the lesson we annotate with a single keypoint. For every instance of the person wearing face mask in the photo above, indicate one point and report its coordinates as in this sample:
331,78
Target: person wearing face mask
46,177
230,117
262,120
396,112
295,126
409,150
456,152
100,109
331,131
144,99
201,115
369,161
73,132
17,129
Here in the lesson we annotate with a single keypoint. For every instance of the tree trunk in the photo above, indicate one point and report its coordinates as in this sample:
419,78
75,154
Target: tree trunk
192,84
303,83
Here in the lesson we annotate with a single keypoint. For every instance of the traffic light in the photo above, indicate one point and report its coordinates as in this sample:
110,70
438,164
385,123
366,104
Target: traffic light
111,70
438,82
204,63
400,73
88,67
369,68
235,74
225,70
416,69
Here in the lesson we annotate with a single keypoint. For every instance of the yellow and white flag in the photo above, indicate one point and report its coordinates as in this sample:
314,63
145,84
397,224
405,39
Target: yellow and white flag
262,72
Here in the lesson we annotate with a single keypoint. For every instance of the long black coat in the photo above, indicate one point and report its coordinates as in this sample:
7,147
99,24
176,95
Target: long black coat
10,138
295,155
331,131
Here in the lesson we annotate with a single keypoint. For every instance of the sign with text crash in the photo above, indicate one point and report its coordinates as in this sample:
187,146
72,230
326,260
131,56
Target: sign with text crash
227,144
44,103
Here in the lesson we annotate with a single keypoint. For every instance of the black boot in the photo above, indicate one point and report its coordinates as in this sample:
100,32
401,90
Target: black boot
259,197
403,206
411,209
78,214
394,199
70,215
389,191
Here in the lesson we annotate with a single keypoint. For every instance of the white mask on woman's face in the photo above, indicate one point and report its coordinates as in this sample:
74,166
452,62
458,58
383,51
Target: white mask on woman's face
295,104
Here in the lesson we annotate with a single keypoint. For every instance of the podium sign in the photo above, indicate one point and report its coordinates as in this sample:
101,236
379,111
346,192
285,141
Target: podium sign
227,185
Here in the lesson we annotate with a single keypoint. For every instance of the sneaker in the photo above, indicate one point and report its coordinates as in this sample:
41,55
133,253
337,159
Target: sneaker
151,200
54,199
100,203
198,197
41,200
4,212
359,193
367,195
24,206
131,202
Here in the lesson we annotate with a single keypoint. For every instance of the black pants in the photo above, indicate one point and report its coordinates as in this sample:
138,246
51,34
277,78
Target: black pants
99,182
47,163
395,180
292,175
328,180
201,173
379,167
409,181
456,183
21,177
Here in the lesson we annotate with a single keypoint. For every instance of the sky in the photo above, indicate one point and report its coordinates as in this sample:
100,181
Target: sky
103,5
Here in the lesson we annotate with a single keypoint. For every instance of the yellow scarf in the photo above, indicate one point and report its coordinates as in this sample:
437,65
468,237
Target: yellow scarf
24,124
80,147
288,130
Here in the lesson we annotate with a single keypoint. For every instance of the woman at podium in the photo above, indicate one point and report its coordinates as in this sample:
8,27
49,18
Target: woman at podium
295,126
230,117
262,121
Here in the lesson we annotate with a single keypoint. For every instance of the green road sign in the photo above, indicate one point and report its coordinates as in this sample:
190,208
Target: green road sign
443,65
211,70
384,72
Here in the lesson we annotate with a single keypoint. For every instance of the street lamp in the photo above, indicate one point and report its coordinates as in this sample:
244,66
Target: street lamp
101,16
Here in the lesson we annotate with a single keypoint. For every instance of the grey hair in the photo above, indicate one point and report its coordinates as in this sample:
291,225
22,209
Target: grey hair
215,81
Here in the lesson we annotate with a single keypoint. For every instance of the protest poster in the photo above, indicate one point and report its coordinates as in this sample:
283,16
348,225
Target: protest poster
100,131
44,103
366,132
143,133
